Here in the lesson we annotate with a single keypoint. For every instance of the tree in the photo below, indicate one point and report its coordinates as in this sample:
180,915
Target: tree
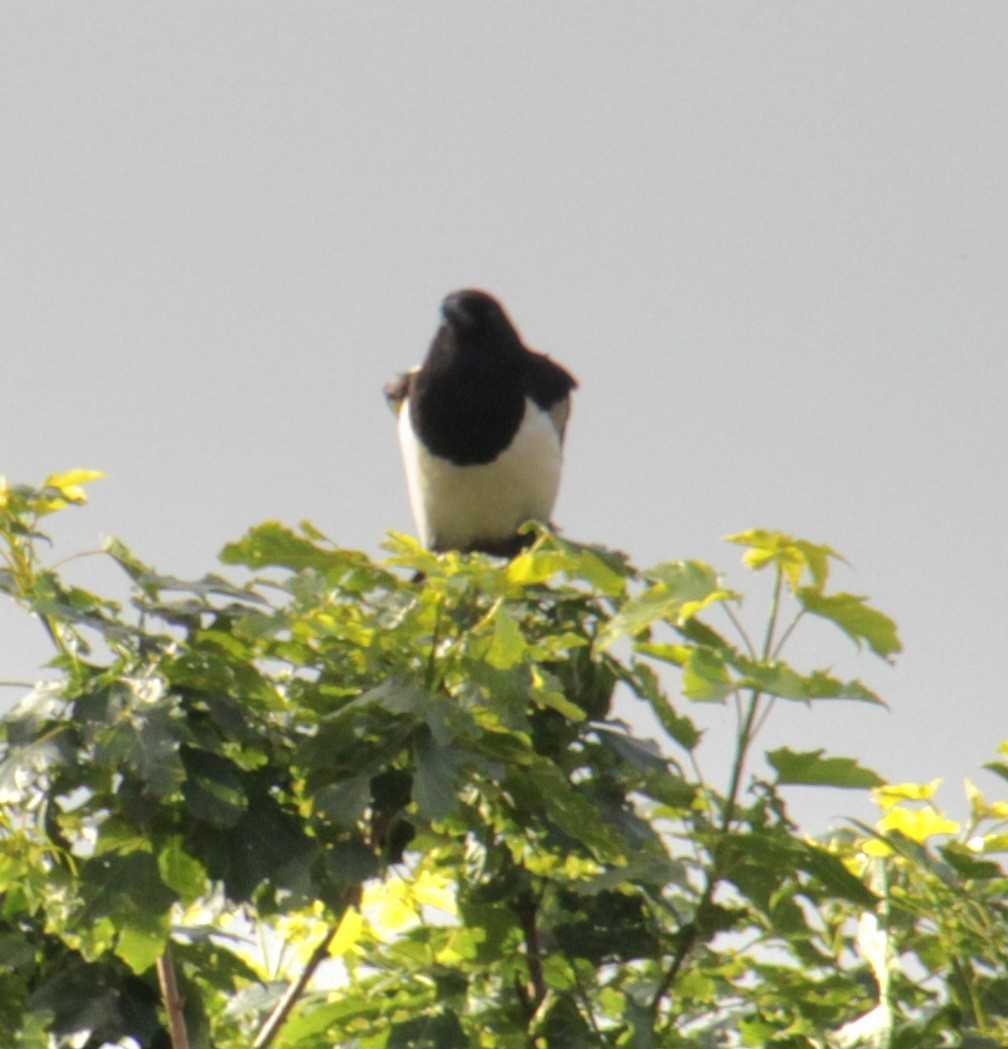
333,803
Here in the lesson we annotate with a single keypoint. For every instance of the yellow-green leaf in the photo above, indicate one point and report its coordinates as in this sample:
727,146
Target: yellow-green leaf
893,794
508,646
792,556
917,824
858,620
68,484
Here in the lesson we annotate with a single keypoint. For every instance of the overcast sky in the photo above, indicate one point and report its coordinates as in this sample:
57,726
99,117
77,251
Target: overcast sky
770,239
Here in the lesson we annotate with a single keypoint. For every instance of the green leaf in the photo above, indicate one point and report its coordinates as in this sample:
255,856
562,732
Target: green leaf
604,569
141,942
272,544
145,740
642,754
679,592
213,788
568,808
535,567
855,618
810,767
397,695
792,556
344,801
508,646
831,872
440,1030
779,679
181,872
706,678
645,683
780,855
999,768
68,484
435,782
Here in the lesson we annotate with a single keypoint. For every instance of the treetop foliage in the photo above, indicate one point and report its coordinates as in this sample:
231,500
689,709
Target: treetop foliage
398,804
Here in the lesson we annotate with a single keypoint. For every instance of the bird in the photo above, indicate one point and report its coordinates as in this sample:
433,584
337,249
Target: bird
481,426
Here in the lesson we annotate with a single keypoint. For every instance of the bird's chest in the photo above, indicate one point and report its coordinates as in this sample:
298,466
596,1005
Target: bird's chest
457,504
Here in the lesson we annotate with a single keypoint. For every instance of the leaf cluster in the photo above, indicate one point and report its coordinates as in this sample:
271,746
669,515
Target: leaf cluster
399,805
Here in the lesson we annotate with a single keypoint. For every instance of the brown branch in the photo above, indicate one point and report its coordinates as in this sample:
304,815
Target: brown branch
276,1019
172,1000
687,938
526,910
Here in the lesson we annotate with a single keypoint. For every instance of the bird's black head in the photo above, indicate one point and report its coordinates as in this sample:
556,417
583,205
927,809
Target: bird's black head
476,317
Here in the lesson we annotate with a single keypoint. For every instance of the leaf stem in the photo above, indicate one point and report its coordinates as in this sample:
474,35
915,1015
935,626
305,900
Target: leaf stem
691,931
778,648
740,629
432,660
774,611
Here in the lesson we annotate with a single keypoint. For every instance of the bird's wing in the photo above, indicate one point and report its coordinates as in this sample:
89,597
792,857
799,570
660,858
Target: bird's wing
550,385
559,413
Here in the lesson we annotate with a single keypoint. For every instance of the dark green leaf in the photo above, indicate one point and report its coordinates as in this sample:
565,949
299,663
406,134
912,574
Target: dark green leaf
436,782
810,767
344,802
213,788
440,1030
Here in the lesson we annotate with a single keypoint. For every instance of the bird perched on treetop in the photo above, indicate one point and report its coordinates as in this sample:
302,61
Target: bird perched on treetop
481,426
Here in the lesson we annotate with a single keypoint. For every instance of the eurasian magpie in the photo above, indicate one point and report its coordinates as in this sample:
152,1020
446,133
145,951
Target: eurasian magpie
481,425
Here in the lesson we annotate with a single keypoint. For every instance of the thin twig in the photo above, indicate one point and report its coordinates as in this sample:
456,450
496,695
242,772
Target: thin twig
774,611
787,633
736,622
713,876
173,1002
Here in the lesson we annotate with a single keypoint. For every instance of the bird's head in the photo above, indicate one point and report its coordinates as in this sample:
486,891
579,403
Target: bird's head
477,319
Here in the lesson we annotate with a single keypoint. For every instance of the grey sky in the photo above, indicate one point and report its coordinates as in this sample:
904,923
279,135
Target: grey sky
770,239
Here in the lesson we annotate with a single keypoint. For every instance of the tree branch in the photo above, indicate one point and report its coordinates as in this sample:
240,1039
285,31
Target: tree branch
526,910
172,1000
276,1019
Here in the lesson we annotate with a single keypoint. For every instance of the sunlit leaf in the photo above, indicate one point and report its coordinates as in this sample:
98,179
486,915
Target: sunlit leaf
679,592
918,824
895,793
69,484
141,943
508,646
791,556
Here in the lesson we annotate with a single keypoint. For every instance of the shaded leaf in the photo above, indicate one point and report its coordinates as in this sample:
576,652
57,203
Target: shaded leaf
810,767
440,1030
213,787
435,782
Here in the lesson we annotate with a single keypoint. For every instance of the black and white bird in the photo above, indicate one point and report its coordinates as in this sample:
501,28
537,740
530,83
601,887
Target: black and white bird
481,428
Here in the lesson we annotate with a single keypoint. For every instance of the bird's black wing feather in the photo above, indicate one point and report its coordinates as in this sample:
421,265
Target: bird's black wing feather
549,385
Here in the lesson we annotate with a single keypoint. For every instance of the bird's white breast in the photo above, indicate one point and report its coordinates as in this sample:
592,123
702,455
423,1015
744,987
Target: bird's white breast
455,505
